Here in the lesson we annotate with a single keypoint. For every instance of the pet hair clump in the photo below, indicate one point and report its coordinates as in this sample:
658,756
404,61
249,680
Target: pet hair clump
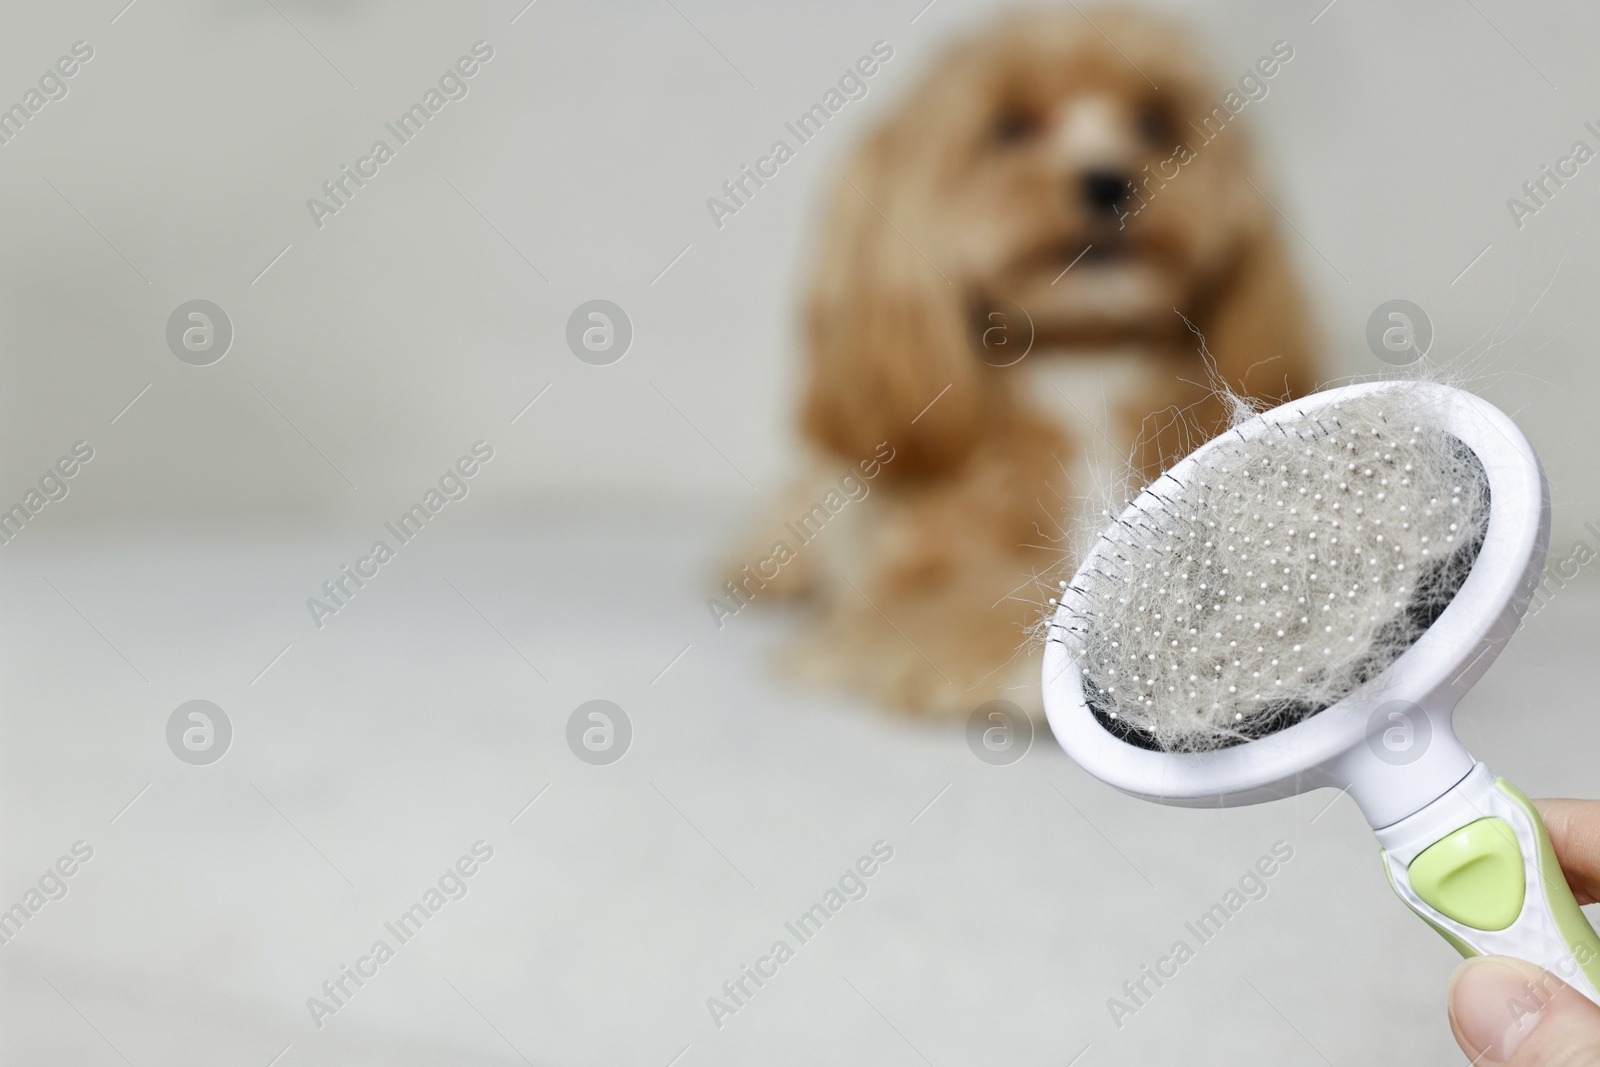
1286,570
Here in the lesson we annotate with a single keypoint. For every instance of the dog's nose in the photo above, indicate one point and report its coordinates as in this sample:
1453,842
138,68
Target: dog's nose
1105,190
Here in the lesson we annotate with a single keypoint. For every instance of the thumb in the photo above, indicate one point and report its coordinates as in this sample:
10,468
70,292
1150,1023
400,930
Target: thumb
1505,1010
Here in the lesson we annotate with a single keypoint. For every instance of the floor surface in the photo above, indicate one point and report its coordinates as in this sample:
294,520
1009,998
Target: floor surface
428,718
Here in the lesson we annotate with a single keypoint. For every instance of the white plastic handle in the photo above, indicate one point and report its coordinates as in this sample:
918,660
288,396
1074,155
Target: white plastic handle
1471,877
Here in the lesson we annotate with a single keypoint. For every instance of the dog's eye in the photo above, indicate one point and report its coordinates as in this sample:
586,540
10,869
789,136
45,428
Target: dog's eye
1155,127
1013,126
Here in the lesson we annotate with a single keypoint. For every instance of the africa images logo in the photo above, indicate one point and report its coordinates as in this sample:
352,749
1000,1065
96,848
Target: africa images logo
453,85
338,591
753,577
850,886
852,85
1399,332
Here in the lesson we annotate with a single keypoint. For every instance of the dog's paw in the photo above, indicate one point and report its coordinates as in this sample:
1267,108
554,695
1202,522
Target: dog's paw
919,671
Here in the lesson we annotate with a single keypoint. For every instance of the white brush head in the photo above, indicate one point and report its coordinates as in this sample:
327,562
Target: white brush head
1278,575
1231,629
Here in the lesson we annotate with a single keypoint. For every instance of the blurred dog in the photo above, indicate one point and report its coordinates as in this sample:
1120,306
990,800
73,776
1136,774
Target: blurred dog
1007,295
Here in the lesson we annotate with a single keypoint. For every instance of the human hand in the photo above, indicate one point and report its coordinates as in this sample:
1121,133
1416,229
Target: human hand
1508,1011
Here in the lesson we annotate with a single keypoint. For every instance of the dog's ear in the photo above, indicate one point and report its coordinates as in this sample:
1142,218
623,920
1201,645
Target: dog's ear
1256,323
886,331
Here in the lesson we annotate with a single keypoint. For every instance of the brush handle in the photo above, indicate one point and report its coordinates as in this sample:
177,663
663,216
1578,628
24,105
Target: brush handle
1478,866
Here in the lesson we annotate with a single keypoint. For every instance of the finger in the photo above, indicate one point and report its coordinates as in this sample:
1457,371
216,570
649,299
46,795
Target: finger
1507,1011
1574,827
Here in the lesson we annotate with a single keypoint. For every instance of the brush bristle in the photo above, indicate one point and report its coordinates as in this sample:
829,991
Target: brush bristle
1289,568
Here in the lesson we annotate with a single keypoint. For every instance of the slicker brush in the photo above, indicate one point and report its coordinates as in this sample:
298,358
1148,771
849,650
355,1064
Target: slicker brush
1300,603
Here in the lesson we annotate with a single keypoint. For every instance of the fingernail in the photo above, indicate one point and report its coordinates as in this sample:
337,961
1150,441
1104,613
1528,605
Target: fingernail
1495,1006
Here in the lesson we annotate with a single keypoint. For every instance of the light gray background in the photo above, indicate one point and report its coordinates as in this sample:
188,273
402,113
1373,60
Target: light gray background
370,754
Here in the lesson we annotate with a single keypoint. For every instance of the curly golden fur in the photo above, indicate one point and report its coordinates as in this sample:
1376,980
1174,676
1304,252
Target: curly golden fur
1032,168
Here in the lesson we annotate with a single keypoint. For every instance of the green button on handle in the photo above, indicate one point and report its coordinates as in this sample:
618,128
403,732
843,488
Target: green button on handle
1478,867
1473,875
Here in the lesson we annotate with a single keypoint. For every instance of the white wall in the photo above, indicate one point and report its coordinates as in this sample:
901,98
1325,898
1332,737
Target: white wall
407,328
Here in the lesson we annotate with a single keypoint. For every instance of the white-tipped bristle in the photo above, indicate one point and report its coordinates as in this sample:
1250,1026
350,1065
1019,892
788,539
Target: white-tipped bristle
1287,569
